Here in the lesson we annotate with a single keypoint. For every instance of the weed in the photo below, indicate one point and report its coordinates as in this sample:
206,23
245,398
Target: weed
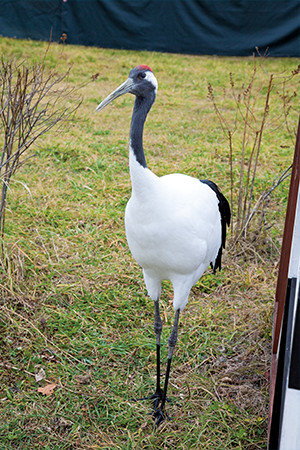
32,102
245,129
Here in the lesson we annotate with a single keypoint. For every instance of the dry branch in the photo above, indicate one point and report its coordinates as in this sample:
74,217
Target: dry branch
32,102
245,142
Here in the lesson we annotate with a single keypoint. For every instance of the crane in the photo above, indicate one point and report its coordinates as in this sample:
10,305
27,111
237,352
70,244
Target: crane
175,224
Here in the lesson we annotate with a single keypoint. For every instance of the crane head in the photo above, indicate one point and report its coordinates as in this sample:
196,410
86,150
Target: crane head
141,82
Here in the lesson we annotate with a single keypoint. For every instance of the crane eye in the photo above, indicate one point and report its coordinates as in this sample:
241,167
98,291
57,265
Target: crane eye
141,75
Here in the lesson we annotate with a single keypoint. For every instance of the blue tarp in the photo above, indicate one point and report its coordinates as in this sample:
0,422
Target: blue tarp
209,27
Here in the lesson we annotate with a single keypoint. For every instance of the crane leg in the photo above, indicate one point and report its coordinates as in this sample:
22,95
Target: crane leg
158,394
160,414
157,329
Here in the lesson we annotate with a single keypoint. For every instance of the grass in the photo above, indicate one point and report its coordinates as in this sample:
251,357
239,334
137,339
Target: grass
73,301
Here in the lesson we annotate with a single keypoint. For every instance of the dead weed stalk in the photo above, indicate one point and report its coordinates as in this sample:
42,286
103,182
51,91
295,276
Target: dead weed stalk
32,102
252,115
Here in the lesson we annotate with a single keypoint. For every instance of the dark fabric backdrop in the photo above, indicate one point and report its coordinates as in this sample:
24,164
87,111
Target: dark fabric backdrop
210,27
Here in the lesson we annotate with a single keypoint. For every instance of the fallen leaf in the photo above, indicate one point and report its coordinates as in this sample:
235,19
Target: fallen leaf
225,380
61,422
40,375
83,379
48,389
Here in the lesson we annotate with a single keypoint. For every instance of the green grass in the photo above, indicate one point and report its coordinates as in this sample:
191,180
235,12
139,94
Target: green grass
74,301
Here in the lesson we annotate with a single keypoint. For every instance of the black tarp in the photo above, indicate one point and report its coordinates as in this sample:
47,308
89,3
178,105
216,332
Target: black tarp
210,27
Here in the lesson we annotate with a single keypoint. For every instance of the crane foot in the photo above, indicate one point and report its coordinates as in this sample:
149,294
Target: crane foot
156,397
160,415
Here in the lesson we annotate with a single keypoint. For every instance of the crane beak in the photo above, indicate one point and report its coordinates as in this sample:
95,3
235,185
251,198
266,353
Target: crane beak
121,90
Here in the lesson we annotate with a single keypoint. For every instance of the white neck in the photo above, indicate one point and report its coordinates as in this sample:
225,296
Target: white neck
143,180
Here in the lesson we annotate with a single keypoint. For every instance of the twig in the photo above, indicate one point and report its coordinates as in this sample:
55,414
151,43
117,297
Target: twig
265,195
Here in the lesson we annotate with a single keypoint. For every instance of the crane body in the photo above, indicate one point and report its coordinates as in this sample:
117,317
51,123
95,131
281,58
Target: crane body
180,254
175,224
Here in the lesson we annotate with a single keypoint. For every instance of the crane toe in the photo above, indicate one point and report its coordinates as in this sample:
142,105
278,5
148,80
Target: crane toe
160,415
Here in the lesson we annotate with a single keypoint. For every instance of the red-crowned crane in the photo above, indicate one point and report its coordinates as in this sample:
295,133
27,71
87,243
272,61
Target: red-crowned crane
175,224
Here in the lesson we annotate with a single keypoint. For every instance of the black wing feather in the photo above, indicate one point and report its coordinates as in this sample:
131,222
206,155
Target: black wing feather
225,214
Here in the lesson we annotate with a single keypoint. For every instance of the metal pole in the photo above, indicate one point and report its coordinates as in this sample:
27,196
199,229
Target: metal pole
282,281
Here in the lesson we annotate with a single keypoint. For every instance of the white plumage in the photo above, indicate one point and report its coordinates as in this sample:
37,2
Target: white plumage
175,224
173,229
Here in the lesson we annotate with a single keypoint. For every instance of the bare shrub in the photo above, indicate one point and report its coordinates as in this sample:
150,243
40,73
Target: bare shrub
250,116
32,102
